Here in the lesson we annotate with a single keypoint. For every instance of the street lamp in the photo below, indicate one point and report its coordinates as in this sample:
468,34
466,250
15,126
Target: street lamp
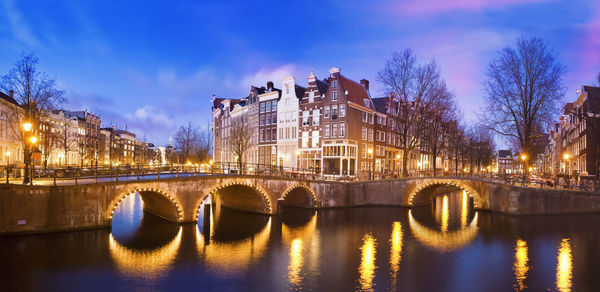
395,163
7,165
32,140
523,168
567,174
27,126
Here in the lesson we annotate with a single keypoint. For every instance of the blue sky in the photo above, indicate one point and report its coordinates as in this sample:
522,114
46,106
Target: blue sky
153,65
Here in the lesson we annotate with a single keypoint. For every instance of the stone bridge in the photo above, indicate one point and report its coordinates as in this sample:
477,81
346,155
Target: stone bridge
53,208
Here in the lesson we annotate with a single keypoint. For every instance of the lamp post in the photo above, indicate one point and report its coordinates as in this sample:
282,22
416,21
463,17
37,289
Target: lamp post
7,165
32,140
370,152
27,127
396,163
524,167
567,174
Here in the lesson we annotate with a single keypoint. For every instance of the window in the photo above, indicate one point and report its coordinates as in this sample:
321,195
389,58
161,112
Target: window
334,130
334,96
294,132
326,111
366,101
305,116
364,133
364,151
342,110
274,134
280,135
364,117
262,135
274,105
342,129
305,139
315,139
370,134
334,112
268,109
370,118
334,84
268,135
316,116
287,88
326,131
262,107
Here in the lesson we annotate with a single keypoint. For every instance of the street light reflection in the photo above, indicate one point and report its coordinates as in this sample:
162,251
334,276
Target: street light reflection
445,214
396,242
564,268
297,237
521,266
367,264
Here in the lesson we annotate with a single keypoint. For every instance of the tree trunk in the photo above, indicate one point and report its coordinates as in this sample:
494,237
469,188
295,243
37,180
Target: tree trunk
434,163
404,163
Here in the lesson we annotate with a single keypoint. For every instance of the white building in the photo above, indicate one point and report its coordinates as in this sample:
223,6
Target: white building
287,126
11,149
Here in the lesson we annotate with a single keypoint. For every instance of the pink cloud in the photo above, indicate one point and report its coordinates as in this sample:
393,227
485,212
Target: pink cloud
438,6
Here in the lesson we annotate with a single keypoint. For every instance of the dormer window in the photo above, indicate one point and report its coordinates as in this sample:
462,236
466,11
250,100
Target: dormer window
334,84
366,101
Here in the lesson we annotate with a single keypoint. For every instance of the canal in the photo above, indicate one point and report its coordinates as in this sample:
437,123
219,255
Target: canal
441,246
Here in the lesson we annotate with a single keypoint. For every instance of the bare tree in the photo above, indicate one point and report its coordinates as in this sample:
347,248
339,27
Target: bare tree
524,85
36,93
413,87
456,137
441,113
481,148
187,140
240,139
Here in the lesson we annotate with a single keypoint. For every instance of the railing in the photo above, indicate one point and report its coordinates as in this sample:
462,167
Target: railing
115,173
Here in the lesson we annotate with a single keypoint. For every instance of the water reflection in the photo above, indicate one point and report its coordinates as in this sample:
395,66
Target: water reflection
396,242
296,237
464,209
445,213
521,266
237,239
564,268
367,263
144,263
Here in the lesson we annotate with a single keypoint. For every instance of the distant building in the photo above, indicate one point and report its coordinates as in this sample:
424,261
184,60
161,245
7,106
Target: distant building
505,162
287,125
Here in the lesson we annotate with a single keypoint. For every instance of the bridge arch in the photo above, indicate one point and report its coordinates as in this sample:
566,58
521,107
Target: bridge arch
156,202
299,195
430,186
245,200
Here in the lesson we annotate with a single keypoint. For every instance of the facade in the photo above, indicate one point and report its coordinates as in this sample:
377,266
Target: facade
309,125
11,146
505,162
287,124
267,128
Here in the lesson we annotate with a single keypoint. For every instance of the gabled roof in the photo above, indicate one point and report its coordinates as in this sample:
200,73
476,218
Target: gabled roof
299,91
8,98
356,92
322,86
381,104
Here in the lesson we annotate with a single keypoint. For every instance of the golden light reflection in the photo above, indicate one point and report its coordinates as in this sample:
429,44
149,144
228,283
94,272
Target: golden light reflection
142,263
464,210
396,242
233,257
445,214
296,261
564,268
296,238
443,241
521,266
367,263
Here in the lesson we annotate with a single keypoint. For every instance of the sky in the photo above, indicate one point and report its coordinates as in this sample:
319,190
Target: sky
153,66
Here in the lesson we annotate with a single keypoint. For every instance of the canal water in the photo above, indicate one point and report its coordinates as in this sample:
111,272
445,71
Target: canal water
442,246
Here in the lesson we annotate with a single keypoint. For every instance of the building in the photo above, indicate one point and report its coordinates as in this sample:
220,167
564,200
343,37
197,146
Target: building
505,162
309,125
11,145
267,129
287,124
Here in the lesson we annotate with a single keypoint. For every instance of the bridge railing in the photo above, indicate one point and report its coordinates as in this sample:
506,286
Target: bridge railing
106,173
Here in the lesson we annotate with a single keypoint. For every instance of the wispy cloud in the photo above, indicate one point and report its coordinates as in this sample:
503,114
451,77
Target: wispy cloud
431,7
18,26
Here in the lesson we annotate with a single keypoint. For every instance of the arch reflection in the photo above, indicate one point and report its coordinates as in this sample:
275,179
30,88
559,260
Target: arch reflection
367,263
444,241
564,267
521,266
225,250
144,263
297,238
396,242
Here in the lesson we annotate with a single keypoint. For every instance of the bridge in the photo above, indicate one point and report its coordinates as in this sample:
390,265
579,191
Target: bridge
178,199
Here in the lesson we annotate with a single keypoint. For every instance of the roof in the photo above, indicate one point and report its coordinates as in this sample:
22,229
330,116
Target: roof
8,98
381,104
299,91
322,86
356,92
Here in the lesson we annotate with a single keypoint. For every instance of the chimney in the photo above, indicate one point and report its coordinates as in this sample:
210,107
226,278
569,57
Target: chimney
365,83
269,86
11,93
